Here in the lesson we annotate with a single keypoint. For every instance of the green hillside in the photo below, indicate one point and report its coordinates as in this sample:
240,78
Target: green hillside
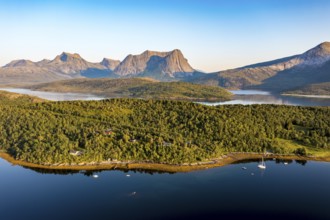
15,98
138,88
157,131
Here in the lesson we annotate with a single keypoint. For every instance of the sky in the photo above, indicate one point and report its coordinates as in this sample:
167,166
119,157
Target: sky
212,34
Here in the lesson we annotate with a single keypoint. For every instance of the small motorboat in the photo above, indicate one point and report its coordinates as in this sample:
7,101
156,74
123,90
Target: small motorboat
244,168
95,176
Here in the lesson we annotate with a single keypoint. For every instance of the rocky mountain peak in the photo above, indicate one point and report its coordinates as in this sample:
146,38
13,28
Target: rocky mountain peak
66,57
325,46
20,63
148,53
177,63
110,63
154,62
317,55
68,63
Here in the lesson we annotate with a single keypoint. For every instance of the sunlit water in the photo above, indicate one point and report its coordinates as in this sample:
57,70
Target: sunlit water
249,97
294,191
55,96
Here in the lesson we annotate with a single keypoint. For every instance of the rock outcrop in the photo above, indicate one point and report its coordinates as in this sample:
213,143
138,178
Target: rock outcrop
152,62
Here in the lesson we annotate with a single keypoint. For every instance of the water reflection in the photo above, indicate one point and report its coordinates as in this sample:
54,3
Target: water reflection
249,92
243,97
55,96
93,172
280,192
248,97
301,162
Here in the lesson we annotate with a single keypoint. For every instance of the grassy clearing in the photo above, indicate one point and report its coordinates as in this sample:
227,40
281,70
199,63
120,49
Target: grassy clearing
291,146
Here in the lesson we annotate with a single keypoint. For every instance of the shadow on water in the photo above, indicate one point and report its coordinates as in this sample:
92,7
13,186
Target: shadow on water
92,172
277,161
146,171
301,162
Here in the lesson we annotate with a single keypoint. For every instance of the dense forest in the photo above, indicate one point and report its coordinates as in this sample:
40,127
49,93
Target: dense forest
156,130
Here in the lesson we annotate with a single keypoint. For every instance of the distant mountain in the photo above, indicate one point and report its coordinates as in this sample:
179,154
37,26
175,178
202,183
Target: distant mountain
27,72
70,64
166,66
63,66
312,89
158,65
279,75
289,73
110,64
21,63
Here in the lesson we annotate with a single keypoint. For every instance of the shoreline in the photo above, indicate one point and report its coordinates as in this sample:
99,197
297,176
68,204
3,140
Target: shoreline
227,159
308,96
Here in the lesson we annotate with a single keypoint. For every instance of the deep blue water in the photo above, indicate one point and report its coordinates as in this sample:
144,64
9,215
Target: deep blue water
292,191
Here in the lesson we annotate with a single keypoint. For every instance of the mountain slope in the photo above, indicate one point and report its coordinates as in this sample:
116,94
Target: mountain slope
312,89
10,98
277,75
63,66
27,74
299,76
110,64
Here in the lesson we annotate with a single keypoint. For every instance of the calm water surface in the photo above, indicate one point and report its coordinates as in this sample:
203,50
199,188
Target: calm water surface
292,191
244,97
249,97
55,96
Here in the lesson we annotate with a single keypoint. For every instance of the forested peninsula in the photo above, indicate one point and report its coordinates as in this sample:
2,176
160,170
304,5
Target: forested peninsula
143,88
77,133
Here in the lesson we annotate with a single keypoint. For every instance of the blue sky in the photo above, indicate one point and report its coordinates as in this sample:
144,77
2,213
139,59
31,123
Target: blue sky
213,34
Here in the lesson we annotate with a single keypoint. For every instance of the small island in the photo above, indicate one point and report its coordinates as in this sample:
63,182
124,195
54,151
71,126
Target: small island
156,134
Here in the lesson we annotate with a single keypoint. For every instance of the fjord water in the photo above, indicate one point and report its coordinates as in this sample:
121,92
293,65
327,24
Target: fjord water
244,97
54,96
298,190
249,97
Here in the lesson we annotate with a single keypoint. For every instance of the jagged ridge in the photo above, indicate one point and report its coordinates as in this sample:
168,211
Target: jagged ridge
67,65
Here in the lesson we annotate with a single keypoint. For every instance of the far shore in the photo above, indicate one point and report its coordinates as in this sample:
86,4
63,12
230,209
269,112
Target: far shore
308,96
222,161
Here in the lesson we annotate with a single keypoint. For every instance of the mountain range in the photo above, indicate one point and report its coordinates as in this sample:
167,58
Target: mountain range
165,66
289,73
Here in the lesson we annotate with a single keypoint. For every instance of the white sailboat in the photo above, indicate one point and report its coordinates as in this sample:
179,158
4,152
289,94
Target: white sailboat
262,165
